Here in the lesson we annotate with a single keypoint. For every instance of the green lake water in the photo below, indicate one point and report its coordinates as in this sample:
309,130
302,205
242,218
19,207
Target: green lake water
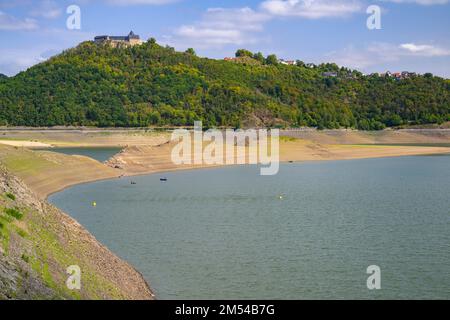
226,234
100,154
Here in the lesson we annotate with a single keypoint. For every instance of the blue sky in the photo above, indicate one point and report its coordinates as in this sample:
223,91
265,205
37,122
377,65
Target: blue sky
414,34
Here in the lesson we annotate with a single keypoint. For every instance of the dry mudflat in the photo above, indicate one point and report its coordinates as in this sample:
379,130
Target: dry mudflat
80,137
46,172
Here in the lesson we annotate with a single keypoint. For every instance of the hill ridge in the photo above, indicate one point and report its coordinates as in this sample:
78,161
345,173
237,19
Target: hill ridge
151,85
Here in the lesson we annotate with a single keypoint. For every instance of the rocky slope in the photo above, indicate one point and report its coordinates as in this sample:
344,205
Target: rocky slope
37,244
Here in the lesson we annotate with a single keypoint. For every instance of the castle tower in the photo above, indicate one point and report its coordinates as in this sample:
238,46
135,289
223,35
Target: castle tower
131,39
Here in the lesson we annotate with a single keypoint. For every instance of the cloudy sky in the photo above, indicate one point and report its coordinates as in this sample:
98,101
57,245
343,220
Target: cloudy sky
414,34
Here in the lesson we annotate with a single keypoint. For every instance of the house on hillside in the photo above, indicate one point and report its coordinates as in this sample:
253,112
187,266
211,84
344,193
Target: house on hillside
330,74
407,74
286,62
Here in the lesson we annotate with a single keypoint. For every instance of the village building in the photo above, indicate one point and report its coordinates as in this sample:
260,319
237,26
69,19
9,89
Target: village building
330,74
399,75
286,62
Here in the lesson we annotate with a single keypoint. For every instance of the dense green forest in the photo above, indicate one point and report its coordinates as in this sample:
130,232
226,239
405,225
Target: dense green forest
151,85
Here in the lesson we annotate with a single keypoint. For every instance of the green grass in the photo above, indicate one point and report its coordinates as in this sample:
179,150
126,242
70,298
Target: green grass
21,232
4,232
13,212
287,139
11,196
4,237
6,219
47,256
53,253
22,161
27,164
25,258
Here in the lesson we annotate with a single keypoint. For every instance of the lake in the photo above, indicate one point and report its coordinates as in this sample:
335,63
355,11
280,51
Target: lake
98,153
309,232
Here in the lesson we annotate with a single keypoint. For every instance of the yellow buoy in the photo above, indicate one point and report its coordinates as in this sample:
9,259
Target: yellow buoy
281,197
94,204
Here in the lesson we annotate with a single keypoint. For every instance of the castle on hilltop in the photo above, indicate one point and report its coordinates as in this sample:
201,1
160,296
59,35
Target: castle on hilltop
130,40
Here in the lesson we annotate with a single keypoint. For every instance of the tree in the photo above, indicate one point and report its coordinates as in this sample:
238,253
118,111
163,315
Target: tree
393,120
190,51
300,63
259,56
153,85
244,53
272,59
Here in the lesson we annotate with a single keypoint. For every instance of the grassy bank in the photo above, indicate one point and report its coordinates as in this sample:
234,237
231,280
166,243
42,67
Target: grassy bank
46,172
38,243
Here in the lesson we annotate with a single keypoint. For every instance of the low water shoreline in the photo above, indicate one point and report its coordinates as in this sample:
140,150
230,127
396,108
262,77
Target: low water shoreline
48,172
139,161
212,167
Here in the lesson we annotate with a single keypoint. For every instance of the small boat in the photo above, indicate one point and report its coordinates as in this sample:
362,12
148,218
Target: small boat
163,179
132,182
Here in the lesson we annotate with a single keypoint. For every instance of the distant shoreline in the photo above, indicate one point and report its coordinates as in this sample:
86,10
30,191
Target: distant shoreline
148,152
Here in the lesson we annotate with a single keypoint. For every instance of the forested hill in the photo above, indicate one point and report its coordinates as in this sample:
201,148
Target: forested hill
153,85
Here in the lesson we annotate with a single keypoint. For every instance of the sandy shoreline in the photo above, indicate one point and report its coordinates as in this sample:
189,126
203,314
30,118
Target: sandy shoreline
25,144
47,172
138,162
122,137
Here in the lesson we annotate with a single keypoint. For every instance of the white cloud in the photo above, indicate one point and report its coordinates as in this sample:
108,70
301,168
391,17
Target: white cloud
378,53
219,27
424,50
15,3
421,2
50,42
8,22
48,9
139,2
242,18
15,60
125,3
238,26
311,9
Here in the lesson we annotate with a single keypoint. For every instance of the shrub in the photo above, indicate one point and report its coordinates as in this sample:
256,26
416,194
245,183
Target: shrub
11,196
14,213
21,233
